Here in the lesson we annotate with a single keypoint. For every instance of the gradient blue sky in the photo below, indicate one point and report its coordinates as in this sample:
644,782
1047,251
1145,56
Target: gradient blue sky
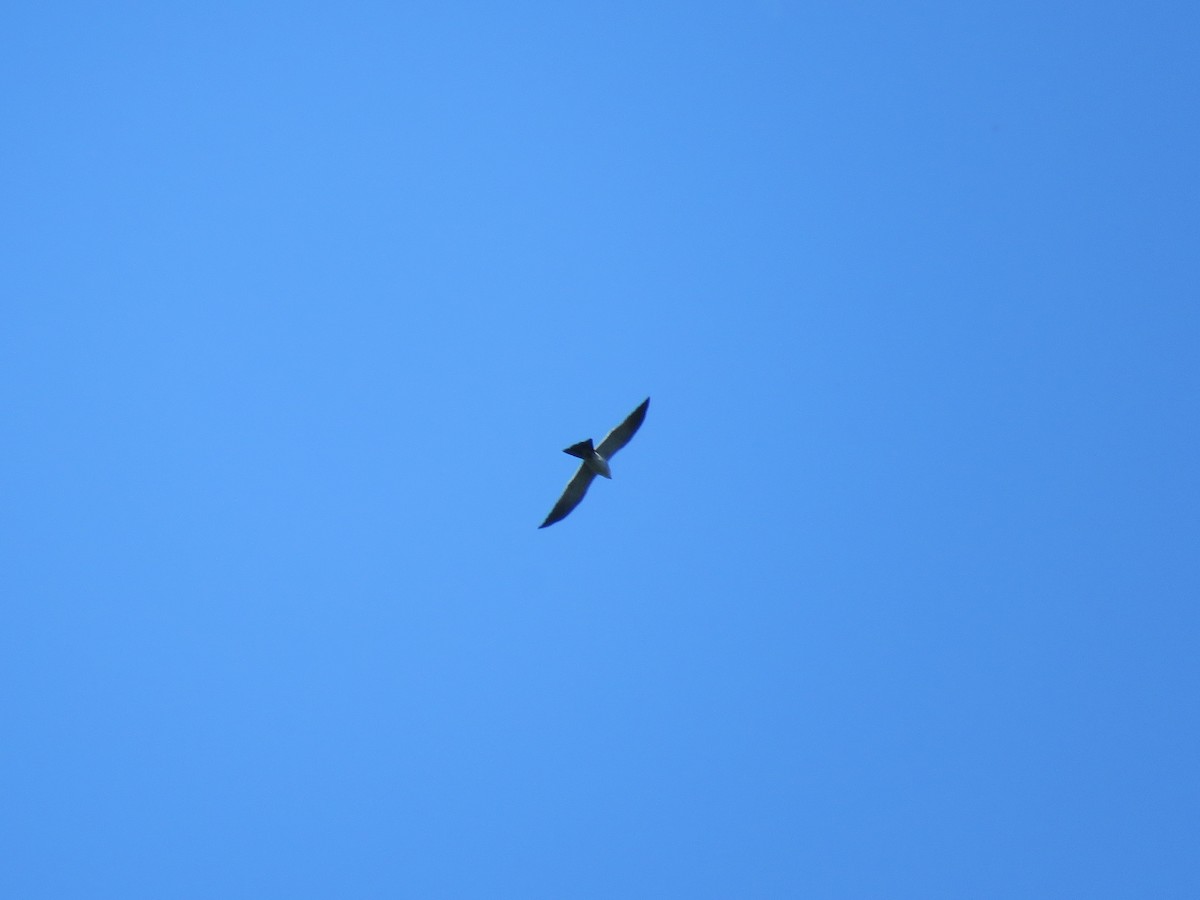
894,595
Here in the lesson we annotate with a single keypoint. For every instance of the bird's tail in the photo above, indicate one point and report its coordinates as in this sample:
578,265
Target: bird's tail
583,449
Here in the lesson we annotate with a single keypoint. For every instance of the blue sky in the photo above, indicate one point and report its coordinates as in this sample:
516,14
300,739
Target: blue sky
894,594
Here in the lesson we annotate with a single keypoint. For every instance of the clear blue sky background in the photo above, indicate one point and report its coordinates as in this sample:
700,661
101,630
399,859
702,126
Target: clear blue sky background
894,595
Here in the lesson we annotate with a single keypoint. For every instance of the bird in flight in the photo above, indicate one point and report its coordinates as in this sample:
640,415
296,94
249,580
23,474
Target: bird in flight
595,462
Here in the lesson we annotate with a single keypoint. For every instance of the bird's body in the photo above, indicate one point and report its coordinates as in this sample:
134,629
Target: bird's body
595,462
599,465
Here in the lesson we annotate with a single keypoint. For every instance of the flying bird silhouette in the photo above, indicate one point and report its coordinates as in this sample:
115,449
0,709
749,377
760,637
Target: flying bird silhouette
595,462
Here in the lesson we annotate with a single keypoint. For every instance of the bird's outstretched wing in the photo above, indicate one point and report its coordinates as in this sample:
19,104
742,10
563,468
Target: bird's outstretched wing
619,436
570,498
